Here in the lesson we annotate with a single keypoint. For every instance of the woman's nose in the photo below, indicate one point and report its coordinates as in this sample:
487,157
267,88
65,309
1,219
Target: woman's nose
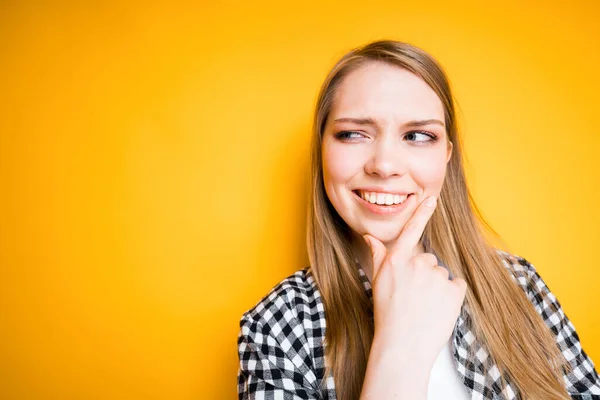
386,160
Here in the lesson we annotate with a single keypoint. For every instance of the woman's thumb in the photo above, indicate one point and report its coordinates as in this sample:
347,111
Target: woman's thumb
377,252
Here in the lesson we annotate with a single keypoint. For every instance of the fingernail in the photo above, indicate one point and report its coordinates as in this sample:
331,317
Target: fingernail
430,202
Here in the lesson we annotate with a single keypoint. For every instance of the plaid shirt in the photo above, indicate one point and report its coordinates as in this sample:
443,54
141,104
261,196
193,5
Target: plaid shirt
281,352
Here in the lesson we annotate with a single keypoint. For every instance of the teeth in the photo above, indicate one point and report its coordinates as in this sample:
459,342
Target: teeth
383,198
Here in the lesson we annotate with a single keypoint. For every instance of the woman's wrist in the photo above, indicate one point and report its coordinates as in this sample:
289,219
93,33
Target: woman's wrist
394,372
392,349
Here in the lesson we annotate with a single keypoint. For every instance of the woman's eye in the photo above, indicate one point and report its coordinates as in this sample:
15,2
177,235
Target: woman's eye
348,135
418,136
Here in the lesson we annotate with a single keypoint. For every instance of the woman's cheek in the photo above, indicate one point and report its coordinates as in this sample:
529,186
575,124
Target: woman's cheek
430,174
339,164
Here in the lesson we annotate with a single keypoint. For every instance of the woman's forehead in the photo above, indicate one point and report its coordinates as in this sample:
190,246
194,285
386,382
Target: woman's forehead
382,91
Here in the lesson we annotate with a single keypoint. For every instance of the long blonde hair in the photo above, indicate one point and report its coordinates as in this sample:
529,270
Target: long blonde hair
503,319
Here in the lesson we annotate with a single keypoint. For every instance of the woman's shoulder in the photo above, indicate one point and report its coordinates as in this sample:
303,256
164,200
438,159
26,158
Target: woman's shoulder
527,277
513,260
537,291
521,270
280,341
293,300
583,379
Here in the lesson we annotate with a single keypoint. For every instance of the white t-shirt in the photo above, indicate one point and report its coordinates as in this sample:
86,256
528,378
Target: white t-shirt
444,381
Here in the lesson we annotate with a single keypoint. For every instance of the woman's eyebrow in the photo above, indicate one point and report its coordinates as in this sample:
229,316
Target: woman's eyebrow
424,122
371,121
359,121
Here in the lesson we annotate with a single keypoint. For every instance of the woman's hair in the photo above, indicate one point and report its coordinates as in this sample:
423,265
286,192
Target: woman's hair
503,319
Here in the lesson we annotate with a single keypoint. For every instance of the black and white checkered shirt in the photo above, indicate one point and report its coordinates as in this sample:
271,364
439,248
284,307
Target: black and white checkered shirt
281,353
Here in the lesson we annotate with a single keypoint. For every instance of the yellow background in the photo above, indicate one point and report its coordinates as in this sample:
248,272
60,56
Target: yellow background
154,168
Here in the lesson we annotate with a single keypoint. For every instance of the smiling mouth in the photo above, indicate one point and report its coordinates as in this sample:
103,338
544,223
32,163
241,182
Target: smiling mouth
382,199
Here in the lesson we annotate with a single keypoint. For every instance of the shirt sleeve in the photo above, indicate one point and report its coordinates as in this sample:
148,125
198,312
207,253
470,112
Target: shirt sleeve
582,382
267,371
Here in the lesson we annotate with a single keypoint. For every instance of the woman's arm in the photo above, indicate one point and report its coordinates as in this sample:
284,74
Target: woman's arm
415,308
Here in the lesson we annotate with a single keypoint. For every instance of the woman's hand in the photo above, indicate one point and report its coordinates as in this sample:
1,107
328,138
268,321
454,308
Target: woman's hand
415,309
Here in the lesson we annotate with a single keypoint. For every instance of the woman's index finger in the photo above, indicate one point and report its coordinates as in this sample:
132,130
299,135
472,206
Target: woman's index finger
413,230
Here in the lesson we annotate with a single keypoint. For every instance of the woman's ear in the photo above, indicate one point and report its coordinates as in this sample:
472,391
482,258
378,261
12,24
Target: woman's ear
450,147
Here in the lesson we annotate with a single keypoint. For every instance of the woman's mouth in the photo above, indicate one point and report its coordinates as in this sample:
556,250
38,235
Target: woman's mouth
382,203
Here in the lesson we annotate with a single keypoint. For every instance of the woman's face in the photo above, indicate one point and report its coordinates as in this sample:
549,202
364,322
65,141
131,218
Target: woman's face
384,148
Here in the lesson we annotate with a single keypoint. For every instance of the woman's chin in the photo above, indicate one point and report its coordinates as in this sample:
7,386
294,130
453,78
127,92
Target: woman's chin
385,237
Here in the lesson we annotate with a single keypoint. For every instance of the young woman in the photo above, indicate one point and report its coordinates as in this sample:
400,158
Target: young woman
404,297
